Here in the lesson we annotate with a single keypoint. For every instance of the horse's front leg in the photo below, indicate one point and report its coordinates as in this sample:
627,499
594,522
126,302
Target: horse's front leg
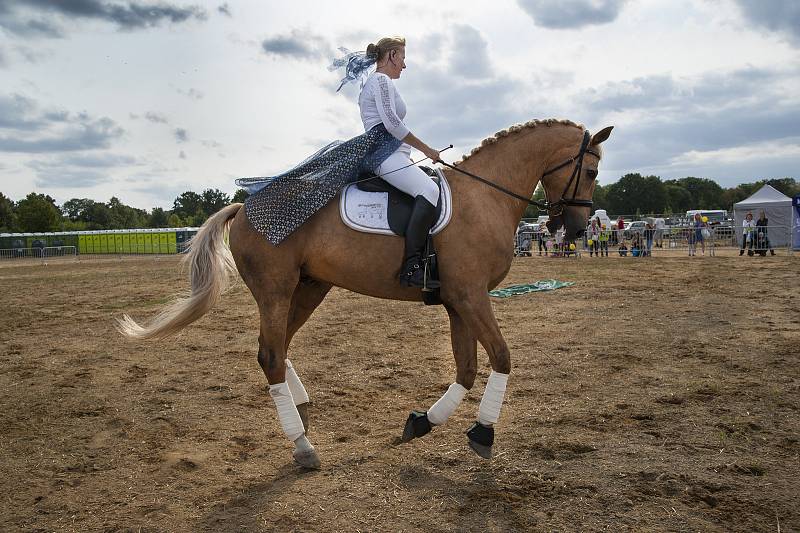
465,351
476,310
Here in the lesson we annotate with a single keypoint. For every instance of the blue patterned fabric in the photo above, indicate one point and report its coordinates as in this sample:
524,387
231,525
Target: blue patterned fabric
278,205
356,65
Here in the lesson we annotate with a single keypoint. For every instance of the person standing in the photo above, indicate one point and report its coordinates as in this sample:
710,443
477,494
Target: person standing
762,239
620,229
748,229
603,237
649,232
594,230
696,235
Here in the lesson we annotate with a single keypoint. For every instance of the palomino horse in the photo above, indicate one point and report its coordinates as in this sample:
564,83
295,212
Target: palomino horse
290,280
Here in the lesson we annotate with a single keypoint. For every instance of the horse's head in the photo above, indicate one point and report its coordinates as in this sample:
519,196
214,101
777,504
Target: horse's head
569,186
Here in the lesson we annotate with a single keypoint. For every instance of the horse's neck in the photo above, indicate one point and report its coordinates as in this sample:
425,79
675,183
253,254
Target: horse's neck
516,163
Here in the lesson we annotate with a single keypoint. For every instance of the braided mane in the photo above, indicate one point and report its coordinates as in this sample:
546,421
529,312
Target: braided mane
519,127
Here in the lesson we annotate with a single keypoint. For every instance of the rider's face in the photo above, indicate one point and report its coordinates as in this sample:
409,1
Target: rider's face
396,62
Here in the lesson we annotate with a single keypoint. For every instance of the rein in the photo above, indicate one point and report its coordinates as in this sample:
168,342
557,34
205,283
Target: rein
577,159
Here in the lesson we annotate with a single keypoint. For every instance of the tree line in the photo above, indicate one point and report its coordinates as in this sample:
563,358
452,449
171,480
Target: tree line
40,212
635,194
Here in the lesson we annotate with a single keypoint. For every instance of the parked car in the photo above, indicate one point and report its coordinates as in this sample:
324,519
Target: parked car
636,226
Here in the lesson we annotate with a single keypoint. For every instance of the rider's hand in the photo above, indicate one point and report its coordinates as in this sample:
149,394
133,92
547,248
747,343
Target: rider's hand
432,154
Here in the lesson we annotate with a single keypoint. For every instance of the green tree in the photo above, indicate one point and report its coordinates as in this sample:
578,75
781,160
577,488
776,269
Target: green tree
8,215
188,204
532,211
240,196
678,199
704,193
174,221
158,218
124,216
37,213
97,216
77,208
213,200
634,193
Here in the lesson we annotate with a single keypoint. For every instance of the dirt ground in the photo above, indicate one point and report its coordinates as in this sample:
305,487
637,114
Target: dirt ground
659,394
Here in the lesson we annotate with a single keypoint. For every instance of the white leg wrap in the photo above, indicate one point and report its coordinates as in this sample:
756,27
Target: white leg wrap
287,412
299,394
492,401
446,405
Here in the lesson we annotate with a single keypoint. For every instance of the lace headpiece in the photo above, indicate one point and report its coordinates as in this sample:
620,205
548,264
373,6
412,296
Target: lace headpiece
356,65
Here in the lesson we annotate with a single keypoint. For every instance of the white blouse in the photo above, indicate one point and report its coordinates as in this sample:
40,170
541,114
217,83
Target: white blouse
380,102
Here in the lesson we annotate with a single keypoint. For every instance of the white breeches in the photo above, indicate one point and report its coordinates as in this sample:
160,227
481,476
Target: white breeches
411,180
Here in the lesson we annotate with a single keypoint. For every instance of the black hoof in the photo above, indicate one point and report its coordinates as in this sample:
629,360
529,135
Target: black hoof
481,439
303,410
417,425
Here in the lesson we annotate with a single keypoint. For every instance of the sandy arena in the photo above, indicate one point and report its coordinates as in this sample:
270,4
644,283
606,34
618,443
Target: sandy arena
659,394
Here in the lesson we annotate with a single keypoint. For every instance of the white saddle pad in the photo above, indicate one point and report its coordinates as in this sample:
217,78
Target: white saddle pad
368,211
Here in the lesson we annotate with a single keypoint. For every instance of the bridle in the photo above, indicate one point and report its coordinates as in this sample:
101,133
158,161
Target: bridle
562,201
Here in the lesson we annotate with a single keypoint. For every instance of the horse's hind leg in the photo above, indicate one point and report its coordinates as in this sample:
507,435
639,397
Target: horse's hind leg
465,351
274,310
306,298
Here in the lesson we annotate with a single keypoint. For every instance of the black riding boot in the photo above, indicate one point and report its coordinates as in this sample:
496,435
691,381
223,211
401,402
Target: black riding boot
422,218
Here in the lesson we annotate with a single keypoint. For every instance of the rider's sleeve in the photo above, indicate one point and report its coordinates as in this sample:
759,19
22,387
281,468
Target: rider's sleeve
384,99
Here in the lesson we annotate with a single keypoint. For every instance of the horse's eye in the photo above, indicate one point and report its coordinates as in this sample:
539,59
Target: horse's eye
592,174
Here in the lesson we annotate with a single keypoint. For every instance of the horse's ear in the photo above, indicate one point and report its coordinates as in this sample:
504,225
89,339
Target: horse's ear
601,136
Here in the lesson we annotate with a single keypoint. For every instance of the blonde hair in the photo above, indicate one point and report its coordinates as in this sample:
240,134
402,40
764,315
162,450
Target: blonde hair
384,46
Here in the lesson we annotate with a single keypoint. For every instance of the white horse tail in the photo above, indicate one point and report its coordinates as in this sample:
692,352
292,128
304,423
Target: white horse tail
210,263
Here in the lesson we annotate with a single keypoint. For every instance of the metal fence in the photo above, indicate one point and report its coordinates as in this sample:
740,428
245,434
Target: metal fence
666,242
39,254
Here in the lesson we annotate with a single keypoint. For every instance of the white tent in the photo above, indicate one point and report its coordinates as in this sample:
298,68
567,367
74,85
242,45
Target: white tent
778,208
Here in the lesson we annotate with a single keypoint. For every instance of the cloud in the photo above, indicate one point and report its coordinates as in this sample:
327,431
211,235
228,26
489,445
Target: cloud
298,44
667,124
34,18
181,135
776,15
192,93
78,171
567,14
225,10
24,127
182,154
156,117
470,55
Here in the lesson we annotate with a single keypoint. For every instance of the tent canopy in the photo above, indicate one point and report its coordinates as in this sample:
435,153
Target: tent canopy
778,208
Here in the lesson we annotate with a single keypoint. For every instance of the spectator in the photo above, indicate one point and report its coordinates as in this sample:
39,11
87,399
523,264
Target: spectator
649,232
623,248
748,230
696,235
603,237
594,230
660,232
762,240
540,236
620,229
636,244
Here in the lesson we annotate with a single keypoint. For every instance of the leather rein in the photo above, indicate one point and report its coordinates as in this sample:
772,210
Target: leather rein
562,201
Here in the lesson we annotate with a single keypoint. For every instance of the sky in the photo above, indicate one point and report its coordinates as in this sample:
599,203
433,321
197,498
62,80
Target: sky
144,100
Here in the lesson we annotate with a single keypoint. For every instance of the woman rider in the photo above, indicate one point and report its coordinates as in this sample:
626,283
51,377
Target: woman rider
380,103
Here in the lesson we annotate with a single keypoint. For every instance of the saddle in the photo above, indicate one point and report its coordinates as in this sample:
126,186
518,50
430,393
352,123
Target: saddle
400,204
398,213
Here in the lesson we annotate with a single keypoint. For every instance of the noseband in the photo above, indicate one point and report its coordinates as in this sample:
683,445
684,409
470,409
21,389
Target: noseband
562,201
